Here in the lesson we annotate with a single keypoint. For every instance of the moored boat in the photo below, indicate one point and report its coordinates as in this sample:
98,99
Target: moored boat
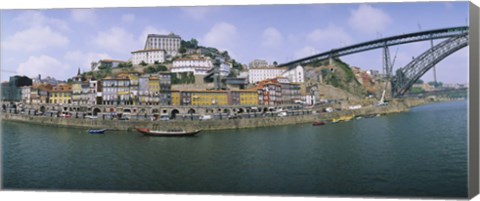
318,123
96,131
166,133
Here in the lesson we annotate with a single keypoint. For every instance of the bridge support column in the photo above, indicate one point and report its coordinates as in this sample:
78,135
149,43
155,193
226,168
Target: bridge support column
387,68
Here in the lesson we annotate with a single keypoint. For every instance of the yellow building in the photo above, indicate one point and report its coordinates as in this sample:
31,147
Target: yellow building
209,97
175,97
61,94
248,97
154,86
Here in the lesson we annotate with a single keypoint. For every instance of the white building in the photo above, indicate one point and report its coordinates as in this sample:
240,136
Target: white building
148,56
197,66
295,75
170,43
225,69
258,74
25,90
95,92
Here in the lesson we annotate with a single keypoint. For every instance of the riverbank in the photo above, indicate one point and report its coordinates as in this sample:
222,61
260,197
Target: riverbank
394,107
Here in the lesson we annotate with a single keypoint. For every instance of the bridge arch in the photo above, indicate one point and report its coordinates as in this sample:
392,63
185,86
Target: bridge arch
405,77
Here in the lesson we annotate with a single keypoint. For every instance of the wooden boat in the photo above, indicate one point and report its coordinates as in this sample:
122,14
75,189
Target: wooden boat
166,133
96,131
318,123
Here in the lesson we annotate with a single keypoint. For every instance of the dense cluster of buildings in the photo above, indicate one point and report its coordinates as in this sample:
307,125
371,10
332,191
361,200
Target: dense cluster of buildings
268,85
149,89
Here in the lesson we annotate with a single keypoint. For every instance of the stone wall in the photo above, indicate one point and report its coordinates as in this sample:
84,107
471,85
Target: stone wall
197,124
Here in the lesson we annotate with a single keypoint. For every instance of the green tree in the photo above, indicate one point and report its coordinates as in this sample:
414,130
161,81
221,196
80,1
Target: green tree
182,50
275,63
160,68
194,43
150,70
143,63
419,81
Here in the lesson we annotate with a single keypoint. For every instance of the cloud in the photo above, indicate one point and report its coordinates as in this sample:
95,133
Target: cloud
116,40
128,18
82,60
197,13
35,39
37,18
271,37
83,15
305,51
330,37
369,20
44,65
221,35
149,30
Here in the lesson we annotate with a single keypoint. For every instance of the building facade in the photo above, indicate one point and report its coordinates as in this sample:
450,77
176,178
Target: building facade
296,75
170,43
26,93
11,90
197,66
61,94
148,56
258,74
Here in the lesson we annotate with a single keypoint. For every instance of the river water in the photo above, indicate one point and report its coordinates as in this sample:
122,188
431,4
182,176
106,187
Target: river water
418,153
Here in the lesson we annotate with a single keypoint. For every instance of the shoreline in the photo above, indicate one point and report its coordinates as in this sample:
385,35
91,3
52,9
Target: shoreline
396,106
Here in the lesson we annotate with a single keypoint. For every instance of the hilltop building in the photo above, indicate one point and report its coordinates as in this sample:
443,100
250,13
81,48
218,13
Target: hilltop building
199,66
148,56
170,43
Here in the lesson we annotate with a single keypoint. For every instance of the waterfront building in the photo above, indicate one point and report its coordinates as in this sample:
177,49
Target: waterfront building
296,74
165,80
133,87
11,90
143,93
116,91
95,92
148,56
26,93
175,97
170,43
153,90
258,74
80,93
209,97
290,91
39,93
243,97
105,63
199,66
61,94
278,91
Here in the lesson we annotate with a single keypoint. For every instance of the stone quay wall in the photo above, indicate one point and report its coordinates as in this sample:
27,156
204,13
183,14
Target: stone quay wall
213,124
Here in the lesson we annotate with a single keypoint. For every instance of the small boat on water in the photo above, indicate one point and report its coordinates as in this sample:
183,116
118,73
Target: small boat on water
318,123
96,131
148,132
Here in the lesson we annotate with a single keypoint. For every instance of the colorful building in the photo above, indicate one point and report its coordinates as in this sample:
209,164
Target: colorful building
209,97
175,97
61,94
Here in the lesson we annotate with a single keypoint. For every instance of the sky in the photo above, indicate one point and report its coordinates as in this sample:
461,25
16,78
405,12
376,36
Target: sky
56,42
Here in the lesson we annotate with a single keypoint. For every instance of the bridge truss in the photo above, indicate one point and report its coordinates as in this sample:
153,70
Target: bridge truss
405,77
381,43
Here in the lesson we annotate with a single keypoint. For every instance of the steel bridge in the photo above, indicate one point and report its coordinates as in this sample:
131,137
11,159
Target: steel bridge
457,38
